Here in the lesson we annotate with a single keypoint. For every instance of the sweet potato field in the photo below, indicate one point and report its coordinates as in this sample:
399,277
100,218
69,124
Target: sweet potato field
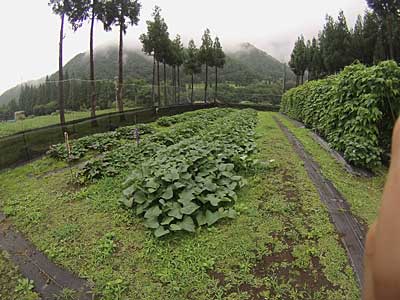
211,204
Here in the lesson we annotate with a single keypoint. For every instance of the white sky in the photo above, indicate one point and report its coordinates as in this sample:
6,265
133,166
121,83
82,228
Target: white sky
29,31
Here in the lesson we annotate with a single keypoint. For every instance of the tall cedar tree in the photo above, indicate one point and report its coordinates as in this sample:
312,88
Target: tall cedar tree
148,46
357,41
388,11
63,9
154,43
121,13
192,64
316,65
370,37
298,60
93,10
179,59
218,62
206,57
335,43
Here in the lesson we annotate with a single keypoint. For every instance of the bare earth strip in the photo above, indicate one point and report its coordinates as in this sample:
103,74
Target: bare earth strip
351,231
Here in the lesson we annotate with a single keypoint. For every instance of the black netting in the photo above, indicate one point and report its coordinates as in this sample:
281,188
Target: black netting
27,145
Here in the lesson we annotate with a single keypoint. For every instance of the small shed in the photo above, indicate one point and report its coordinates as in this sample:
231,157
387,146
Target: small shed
19,115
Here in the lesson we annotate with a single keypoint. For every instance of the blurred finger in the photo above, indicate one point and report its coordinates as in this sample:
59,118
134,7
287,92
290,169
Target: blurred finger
368,284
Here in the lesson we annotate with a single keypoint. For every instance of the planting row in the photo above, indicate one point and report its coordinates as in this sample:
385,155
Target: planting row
193,183
355,110
133,153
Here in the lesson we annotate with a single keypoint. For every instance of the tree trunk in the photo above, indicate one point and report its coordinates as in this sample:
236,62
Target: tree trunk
154,80
390,33
120,70
179,85
92,82
191,97
158,84
206,85
61,73
165,84
216,84
174,83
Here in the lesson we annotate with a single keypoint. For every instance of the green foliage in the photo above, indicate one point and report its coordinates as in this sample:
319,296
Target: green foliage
100,142
112,162
24,286
106,247
193,183
12,285
298,59
206,49
181,266
192,63
355,110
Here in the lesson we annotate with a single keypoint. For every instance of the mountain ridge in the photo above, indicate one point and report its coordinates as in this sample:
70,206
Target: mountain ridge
244,65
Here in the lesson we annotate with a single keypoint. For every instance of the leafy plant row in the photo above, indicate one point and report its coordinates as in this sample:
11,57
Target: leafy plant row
194,182
171,120
100,142
355,110
115,160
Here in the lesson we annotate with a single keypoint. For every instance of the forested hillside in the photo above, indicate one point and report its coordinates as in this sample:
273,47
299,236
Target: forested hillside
258,61
247,65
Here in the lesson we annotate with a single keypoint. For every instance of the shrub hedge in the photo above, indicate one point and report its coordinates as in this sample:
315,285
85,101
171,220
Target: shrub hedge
355,111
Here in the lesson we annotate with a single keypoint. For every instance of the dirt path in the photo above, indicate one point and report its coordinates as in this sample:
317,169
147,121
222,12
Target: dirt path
336,155
351,232
49,279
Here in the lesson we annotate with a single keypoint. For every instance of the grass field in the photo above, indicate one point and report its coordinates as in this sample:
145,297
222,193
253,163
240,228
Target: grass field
282,244
8,128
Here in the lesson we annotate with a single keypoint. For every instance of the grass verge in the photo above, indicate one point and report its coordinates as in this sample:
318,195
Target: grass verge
8,128
363,194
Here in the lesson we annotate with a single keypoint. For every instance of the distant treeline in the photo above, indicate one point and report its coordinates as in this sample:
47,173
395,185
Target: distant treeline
43,99
374,38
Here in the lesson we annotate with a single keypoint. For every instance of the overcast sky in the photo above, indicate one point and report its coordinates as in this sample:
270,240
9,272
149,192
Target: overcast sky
29,30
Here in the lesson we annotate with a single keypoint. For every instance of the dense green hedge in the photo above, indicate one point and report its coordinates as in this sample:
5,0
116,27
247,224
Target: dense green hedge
355,110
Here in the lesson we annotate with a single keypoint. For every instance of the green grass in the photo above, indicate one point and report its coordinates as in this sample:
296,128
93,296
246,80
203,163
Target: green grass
8,128
282,246
363,194
12,285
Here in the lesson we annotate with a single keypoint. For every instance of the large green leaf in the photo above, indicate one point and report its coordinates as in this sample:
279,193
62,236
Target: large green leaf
176,211
129,191
127,202
186,197
171,176
161,231
212,217
187,224
140,197
201,218
189,208
152,223
168,194
167,220
153,212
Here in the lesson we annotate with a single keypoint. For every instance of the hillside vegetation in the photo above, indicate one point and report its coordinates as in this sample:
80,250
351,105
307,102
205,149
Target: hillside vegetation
243,66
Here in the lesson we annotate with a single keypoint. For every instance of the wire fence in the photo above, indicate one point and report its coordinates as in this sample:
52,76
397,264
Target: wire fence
149,102
28,145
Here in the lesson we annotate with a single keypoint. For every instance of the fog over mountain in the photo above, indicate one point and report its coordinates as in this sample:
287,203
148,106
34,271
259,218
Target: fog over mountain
244,64
30,46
